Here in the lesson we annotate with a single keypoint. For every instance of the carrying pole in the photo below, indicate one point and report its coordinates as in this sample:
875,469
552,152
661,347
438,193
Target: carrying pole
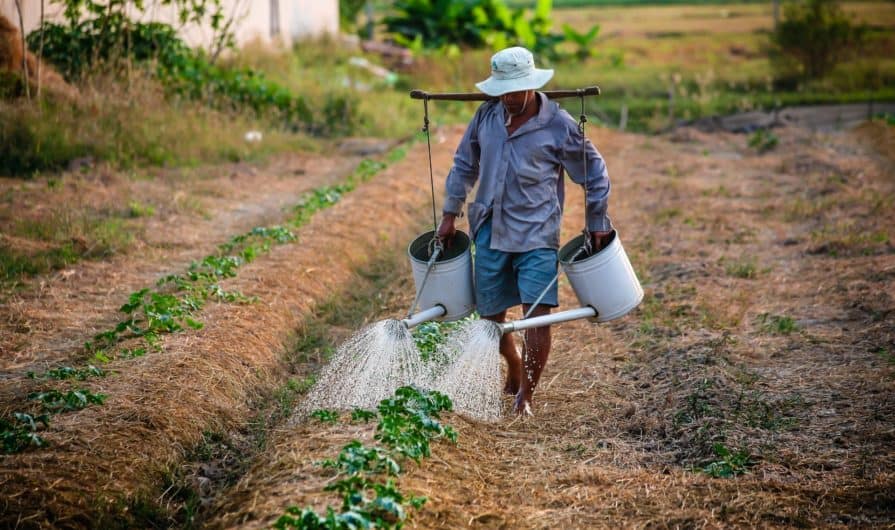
479,96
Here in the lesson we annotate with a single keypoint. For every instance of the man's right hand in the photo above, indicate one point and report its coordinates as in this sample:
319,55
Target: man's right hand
446,230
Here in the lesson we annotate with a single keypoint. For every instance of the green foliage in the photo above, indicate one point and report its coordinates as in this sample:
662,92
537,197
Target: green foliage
348,13
584,41
318,199
742,269
170,307
763,140
54,401
67,372
475,23
325,416
777,324
370,498
429,335
28,146
20,432
362,415
76,47
816,35
409,420
79,47
729,463
138,209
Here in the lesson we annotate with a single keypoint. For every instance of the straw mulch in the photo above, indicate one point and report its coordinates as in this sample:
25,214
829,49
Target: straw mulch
45,322
629,413
106,460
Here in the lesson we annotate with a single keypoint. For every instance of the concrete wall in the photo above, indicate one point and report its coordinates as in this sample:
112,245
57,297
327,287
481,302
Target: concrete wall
270,21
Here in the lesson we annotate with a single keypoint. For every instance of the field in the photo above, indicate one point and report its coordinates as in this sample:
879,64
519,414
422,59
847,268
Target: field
160,325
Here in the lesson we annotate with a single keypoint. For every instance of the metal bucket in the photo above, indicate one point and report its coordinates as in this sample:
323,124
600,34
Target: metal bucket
605,281
450,281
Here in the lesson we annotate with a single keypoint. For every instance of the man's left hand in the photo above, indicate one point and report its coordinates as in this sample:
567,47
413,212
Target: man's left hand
599,239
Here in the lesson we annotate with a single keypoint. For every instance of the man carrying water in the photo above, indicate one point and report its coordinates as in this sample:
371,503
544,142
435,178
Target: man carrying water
517,146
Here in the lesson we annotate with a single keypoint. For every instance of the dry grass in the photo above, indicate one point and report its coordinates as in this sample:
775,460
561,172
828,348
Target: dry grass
644,21
109,459
192,212
629,412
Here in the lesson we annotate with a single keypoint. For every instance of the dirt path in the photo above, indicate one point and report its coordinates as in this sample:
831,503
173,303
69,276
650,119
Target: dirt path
763,349
54,314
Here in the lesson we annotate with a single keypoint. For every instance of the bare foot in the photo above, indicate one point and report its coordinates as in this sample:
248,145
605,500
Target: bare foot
522,405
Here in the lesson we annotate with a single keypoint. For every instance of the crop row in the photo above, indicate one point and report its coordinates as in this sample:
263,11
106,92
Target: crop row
365,475
170,306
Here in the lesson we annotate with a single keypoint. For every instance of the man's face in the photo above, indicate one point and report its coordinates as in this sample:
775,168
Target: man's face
515,101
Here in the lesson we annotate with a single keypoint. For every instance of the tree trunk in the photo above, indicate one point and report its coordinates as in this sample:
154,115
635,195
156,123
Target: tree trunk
40,49
25,75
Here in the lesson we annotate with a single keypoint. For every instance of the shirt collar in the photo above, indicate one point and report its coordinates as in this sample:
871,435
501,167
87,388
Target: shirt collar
539,120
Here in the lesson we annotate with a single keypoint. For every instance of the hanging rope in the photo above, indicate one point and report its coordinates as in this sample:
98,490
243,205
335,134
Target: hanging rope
582,119
431,175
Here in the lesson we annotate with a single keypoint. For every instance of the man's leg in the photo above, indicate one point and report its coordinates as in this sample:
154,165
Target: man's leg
509,353
534,358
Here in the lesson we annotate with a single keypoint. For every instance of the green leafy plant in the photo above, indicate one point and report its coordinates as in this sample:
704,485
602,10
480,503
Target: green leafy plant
475,23
763,140
55,401
729,464
584,41
362,415
325,416
20,432
370,498
67,372
777,324
742,269
79,46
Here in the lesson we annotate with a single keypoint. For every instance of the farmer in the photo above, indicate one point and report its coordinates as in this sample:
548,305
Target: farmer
517,146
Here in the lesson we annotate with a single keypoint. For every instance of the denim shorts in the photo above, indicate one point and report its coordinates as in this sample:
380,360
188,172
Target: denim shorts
507,279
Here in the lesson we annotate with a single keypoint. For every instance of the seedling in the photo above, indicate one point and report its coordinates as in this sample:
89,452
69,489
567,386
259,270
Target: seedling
325,416
763,140
777,324
67,372
362,415
19,433
730,463
55,401
407,422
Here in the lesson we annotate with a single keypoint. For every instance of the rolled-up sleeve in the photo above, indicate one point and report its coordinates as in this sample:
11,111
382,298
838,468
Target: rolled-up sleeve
591,174
465,171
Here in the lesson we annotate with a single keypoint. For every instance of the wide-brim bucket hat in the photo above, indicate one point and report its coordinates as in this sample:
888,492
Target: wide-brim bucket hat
512,70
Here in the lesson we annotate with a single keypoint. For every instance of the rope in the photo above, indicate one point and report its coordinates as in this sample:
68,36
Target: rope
581,121
431,175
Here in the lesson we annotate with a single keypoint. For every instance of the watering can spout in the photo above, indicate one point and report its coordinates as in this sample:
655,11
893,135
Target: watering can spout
432,313
547,320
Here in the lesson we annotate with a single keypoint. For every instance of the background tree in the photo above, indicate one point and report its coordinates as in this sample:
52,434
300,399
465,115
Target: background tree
814,36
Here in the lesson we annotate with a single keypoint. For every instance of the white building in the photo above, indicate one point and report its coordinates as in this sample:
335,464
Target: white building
268,21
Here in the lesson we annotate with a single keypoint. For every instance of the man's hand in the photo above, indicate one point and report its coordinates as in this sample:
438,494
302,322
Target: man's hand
446,230
599,239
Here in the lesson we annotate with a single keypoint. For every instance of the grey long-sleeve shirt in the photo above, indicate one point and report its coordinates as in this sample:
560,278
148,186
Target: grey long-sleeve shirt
521,184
